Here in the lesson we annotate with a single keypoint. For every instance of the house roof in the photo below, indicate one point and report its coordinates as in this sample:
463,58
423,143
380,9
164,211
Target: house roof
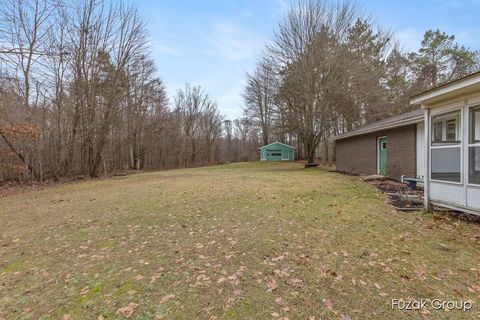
450,90
277,143
396,121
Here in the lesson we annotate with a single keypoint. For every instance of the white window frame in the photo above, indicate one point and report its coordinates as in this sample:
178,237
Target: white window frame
446,129
447,145
434,132
444,126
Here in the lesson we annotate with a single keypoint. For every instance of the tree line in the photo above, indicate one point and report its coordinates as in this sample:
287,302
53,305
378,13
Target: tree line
329,69
80,95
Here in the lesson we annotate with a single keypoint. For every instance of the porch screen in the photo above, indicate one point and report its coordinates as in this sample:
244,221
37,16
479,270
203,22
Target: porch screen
474,146
446,164
446,147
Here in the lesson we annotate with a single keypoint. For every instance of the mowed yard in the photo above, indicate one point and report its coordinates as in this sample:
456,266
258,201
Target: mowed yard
238,241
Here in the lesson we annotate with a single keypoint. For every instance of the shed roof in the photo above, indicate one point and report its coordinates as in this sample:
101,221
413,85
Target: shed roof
396,121
286,145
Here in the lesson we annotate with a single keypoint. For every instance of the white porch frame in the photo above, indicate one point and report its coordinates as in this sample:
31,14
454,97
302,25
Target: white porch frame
426,183
462,94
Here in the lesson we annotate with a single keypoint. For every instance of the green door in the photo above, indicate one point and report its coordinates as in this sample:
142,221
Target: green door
382,156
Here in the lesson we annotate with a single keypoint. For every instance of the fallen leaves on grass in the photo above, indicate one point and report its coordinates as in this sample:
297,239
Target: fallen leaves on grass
291,249
167,298
279,258
202,280
84,291
421,274
281,273
387,269
127,311
237,292
475,288
327,303
271,285
295,282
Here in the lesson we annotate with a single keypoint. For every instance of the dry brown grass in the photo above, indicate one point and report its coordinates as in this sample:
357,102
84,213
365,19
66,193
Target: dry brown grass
239,241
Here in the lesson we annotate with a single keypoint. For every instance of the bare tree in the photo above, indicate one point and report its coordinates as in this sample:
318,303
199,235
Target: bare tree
305,49
211,129
228,128
23,29
259,96
199,116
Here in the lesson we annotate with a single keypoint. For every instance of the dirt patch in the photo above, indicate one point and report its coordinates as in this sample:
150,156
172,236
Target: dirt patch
345,173
399,195
12,188
403,199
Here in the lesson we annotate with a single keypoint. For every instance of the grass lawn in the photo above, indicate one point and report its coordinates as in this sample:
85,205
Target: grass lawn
238,241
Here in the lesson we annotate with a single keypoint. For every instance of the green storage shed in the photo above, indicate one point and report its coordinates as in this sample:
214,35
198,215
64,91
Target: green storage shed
277,151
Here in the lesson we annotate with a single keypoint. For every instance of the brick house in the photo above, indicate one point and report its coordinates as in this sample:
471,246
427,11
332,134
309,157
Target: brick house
439,144
392,147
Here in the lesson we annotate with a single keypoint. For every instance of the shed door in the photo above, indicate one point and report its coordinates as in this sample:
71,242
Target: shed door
285,155
382,156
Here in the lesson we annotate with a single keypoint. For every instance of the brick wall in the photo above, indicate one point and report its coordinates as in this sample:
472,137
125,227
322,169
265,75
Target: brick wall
359,154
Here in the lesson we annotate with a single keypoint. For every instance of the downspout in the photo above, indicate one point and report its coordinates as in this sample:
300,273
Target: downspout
426,185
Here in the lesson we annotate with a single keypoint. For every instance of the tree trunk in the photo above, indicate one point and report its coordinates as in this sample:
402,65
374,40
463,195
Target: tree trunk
19,154
310,149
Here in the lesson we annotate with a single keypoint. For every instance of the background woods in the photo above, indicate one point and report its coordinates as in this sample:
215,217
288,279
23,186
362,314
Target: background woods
80,94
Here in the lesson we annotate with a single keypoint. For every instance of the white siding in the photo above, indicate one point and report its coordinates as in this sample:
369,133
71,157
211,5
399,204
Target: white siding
420,149
447,192
473,197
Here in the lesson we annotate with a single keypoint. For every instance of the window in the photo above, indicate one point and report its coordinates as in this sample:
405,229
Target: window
446,128
474,146
384,146
437,131
451,130
475,125
274,153
446,147
474,165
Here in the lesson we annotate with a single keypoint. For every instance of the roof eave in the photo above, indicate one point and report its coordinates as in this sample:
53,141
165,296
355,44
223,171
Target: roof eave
387,126
277,142
449,91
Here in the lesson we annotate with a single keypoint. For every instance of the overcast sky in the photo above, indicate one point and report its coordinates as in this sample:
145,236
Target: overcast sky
213,43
